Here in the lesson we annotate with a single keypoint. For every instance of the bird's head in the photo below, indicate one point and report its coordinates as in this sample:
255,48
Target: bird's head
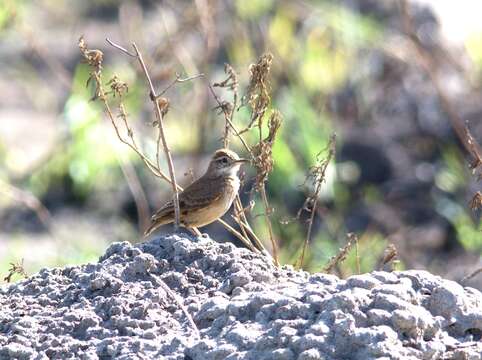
225,162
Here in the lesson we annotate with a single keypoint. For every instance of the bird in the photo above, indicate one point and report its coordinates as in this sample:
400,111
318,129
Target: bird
207,198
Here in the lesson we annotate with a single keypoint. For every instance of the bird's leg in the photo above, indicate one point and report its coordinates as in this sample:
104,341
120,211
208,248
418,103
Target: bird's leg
194,231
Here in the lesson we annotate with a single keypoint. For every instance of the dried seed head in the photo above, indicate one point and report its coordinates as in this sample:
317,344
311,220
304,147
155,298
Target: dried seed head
263,151
93,57
342,253
231,81
257,95
117,86
476,202
390,256
163,105
224,108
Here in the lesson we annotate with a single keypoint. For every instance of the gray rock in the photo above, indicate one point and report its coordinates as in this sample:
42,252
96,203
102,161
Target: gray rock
243,308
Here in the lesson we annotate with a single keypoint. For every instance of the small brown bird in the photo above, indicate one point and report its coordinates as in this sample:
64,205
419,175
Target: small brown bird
206,199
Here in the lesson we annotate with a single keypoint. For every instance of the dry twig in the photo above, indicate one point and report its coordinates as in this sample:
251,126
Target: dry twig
29,200
231,83
471,275
342,253
228,111
15,268
263,161
317,176
158,281
258,91
94,58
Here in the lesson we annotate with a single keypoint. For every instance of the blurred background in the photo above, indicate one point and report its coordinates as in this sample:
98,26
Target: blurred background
69,188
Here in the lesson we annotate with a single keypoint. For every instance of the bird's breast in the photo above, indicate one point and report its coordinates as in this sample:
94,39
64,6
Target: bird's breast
217,208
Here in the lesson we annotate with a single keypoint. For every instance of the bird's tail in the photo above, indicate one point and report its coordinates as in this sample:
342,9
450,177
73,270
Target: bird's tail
156,223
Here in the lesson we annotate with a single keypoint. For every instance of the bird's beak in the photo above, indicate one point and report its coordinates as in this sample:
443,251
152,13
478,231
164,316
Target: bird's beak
242,161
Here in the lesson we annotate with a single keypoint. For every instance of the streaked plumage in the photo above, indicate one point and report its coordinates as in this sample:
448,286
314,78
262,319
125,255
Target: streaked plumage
206,199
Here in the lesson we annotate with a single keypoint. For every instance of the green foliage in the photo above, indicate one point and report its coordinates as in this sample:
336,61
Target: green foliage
252,9
87,156
9,10
469,232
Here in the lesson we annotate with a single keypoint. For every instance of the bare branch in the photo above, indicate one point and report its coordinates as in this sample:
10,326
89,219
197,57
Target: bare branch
29,200
340,256
179,80
471,275
229,121
118,47
162,135
318,176
15,268
158,281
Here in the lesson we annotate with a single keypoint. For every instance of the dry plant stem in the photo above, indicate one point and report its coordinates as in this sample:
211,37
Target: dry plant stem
140,198
244,224
229,121
158,281
270,227
236,233
158,150
319,179
357,256
157,109
163,138
238,209
29,200
428,64
310,226
471,275
242,221
151,166
341,255
247,229
179,80
15,268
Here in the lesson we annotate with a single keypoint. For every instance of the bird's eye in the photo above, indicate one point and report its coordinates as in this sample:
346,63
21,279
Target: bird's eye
224,160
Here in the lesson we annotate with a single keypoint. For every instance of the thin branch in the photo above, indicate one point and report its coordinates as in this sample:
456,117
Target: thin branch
243,222
140,198
157,109
158,281
340,256
241,216
471,275
29,200
236,233
118,47
238,211
179,80
268,222
236,132
15,268
318,173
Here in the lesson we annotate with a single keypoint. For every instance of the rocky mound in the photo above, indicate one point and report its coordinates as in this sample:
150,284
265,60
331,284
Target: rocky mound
181,298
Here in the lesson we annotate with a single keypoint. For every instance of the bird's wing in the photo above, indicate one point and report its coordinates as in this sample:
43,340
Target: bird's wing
201,193
196,195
